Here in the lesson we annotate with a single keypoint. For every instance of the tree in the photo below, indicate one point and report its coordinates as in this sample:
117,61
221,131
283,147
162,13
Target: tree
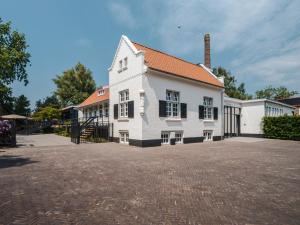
74,85
48,101
13,61
22,106
231,88
47,113
270,92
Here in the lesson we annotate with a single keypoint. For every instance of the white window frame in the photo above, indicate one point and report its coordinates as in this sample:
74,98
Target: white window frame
165,137
178,137
208,108
173,103
106,112
125,63
124,137
123,103
101,92
208,135
120,66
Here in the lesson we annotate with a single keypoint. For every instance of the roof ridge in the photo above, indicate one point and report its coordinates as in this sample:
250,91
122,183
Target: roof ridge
167,54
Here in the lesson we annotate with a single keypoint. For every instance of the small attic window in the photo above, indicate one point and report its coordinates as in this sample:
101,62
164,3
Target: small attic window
125,63
101,92
120,66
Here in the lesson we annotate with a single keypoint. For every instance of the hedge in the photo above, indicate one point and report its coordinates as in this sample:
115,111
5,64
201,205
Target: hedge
282,127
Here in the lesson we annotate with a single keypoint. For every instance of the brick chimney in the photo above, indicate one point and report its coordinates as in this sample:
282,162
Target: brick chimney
207,51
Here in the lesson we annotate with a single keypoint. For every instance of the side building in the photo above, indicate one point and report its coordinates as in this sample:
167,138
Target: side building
244,117
156,98
96,105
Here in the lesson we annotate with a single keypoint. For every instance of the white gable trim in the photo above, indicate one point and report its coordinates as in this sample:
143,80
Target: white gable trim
129,44
220,79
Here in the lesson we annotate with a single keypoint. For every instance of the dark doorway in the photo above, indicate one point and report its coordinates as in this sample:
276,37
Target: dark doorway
232,121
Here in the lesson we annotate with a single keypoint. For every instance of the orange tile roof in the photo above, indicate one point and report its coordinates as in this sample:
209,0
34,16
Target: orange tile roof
163,62
94,98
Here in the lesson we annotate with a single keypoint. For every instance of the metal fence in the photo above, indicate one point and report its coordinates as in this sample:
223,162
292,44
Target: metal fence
93,129
8,133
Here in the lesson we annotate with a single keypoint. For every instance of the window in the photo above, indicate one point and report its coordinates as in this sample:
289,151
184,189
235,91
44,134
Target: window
165,137
95,111
124,98
106,110
120,66
124,137
178,137
172,98
207,134
125,63
208,108
100,110
101,92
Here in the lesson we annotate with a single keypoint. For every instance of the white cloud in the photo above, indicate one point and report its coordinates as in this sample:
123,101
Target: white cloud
122,14
260,38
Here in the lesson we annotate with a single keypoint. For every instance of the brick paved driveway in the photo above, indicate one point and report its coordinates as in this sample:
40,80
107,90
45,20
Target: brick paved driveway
209,183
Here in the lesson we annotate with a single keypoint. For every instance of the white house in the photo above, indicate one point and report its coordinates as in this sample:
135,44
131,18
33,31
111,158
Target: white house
96,105
156,98
244,118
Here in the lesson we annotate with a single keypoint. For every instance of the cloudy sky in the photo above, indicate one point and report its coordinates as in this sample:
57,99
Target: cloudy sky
258,41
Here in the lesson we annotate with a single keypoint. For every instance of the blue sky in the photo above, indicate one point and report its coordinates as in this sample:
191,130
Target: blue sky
258,41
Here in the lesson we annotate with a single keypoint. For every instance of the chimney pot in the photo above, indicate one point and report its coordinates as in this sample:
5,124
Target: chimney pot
207,51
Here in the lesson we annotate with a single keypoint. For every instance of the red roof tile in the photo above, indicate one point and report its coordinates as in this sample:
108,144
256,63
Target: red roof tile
163,62
95,97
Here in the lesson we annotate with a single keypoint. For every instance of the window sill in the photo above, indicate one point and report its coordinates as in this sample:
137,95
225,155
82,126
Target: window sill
208,121
173,119
123,120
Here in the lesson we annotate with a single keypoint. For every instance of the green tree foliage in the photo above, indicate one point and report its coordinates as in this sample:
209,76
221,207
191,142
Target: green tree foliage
275,93
47,113
48,101
22,106
282,127
230,83
74,85
13,61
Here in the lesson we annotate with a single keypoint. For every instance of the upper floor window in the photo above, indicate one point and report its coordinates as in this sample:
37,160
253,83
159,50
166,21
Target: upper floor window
124,98
208,108
123,63
101,92
172,98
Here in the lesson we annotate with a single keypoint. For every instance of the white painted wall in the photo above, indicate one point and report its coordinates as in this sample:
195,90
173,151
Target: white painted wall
251,117
130,79
155,86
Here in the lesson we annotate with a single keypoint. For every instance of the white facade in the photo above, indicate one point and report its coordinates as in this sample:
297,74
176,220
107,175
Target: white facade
253,111
146,88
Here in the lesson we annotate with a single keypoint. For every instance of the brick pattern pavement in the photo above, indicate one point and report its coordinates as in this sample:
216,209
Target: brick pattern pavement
208,183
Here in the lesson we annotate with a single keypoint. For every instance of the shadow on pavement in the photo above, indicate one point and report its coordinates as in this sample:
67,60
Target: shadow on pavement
11,161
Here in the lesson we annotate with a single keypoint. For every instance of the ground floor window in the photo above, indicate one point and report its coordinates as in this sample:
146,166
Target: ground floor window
124,137
207,134
165,137
178,137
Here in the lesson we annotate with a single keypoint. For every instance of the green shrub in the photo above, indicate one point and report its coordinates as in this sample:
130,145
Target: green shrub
48,130
282,127
62,131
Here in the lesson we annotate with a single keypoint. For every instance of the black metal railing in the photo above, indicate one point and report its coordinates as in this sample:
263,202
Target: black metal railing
92,129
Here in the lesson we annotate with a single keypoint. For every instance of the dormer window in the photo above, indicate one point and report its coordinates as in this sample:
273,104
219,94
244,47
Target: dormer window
101,92
123,64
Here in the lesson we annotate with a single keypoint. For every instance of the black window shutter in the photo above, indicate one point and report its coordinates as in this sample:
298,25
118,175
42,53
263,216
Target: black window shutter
183,110
215,113
162,108
131,109
201,112
116,111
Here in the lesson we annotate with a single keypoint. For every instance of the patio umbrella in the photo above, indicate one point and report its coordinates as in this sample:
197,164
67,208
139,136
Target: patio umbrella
14,117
